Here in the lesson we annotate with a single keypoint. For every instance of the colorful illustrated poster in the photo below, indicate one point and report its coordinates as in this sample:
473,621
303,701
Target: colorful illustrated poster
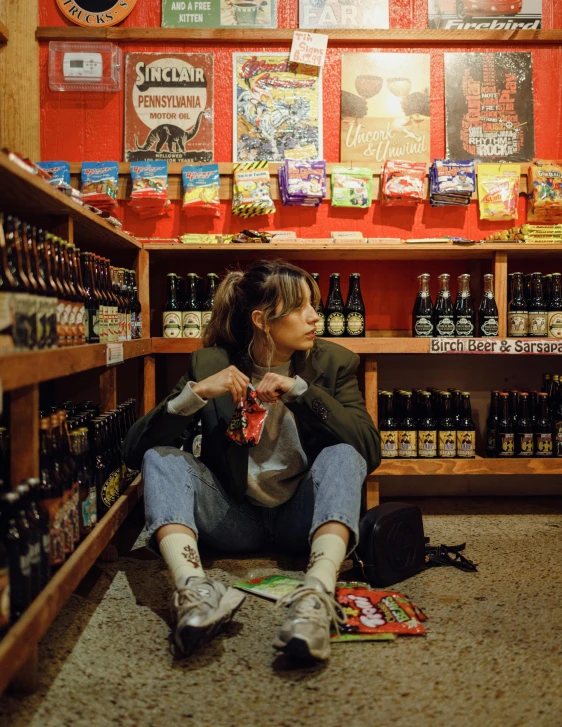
385,107
351,14
219,14
277,108
169,107
489,106
485,14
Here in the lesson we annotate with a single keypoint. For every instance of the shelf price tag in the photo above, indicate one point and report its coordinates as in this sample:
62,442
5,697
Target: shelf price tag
114,354
309,48
537,346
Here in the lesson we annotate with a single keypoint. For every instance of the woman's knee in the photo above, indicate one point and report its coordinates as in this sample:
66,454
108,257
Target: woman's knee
342,457
164,464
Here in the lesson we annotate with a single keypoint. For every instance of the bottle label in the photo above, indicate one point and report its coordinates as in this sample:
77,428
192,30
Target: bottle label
389,442
111,488
128,326
407,444
491,441
34,552
205,318
466,444
464,327
427,443
355,324
445,327
122,326
336,324
423,327
558,439
543,445
54,507
554,324
537,323
518,323
191,324
447,444
139,325
25,565
506,441
4,598
80,332
525,442
172,324
7,321
89,511
489,327
320,328
196,445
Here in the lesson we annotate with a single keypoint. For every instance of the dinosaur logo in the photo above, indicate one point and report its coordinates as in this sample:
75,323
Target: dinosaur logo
171,137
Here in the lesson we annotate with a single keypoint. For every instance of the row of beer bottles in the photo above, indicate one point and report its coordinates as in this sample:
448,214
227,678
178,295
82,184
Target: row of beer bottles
535,305
188,307
458,320
425,424
337,320
53,295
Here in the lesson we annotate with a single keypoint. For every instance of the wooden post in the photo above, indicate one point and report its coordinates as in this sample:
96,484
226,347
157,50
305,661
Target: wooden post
372,403
500,290
24,433
143,285
25,681
149,387
108,389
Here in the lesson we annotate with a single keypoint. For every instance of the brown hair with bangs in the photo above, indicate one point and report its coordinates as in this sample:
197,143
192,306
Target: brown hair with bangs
264,285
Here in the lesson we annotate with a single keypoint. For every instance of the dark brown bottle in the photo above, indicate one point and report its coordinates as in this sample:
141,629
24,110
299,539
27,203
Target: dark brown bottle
447,429
543,429
517,312
191,310
20,299
388,427
335,309
355,309
554,318
51,289
465,315
21,232
42,300
466,429
14,533
76,272
492,424
42,518
443,313
538,311
505,440
407,429
31,516
488,317
72,301
524,444
7,318
92,303
51,493
320,328
422,313
427,428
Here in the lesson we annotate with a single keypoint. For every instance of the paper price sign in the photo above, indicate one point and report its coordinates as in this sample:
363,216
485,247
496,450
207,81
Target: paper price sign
496,345
114,354
309,48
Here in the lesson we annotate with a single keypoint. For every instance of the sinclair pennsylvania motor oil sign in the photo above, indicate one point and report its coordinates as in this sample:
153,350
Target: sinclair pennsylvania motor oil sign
169,107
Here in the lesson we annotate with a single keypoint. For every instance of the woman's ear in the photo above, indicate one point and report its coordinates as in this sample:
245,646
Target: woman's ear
258,319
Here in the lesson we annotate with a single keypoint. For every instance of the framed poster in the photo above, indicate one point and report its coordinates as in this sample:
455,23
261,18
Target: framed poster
219,14
385,107
351,14
485,14
489,106
277,108
169,107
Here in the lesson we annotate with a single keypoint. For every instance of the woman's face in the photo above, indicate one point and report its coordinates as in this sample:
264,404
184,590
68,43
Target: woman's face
295,331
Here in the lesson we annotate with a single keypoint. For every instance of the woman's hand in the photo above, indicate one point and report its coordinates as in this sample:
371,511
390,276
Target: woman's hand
273,386
229,379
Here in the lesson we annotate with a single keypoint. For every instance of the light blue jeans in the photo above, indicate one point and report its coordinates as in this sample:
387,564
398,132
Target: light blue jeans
178,488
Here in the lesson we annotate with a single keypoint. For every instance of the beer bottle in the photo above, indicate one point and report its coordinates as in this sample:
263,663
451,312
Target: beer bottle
61,470
537,308
191,310
21,232
443,315
88,513
98,462
113,286
82,295
42,517
492,424
547,289
422,314
533,406
557,422
51,493
427,428
320,310
543,429
15,535
517,312
335,310
465,315
29,515
407,430
554,318
355,308
64,293
514,406
528,286
137,331
212,285
7,283
129,312
43,250
92,304
524,444
488,317
554,393
5,615
456,404
103,298
447,429
505,440
466,429
20,298
83,483
73,300
113,486
172,323
388,427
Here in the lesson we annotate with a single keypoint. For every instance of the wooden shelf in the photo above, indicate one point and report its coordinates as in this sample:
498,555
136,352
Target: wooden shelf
478,466
21,639
246,36
31,367
25,195
3,33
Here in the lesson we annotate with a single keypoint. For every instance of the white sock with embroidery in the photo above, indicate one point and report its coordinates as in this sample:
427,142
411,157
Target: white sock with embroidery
326,556
180,552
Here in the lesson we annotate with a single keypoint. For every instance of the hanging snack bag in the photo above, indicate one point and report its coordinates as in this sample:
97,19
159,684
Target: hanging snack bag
99,185
246,425
352,187
149,197
451,182
545,192
498,191
201,186
302,183
251,195
403,182
60,174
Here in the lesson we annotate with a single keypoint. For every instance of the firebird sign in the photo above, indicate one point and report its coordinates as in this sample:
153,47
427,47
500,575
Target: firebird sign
96,13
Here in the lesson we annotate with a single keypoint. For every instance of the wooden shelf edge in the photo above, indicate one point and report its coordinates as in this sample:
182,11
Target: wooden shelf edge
18,643
4,35
394,36
476,467
33,367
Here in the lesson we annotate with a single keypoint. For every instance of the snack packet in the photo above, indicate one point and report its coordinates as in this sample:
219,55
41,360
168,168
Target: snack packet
149,197
99,183
251,194
201,186
545,191
352,187
302,183
402,182
246,425
59,173
498,190
451,182
371,612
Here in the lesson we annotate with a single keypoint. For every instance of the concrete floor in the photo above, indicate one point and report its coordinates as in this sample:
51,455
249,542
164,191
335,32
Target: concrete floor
492,655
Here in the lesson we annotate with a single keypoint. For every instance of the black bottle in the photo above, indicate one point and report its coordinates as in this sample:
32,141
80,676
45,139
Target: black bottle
538,312
466,429
447,438
335,309
422,314
212,285
524,440
191,309
465,315
517,311
407,430
355,309
15,535
388,426
543,429
443,313
172,316
488,318
321,323
31,517
42,516
492,424
505,440
427,428
554,319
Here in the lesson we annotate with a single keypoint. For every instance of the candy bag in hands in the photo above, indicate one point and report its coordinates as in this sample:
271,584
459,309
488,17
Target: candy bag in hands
246,425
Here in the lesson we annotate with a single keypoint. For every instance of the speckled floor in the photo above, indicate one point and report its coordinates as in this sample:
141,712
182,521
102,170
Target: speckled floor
492,655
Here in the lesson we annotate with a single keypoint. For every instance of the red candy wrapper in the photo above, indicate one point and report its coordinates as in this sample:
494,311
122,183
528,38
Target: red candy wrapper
377,612
403,182
247,423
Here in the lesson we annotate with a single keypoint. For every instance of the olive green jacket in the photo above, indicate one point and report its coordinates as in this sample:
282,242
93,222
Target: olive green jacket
331,411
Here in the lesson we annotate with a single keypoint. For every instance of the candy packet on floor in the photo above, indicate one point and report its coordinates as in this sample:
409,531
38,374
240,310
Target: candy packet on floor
251,194
272,587
246,425
99,185
545,191
201,186
149,197
402,182
352,187
498,191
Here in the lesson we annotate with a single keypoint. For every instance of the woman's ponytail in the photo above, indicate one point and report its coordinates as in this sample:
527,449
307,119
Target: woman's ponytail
227,313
